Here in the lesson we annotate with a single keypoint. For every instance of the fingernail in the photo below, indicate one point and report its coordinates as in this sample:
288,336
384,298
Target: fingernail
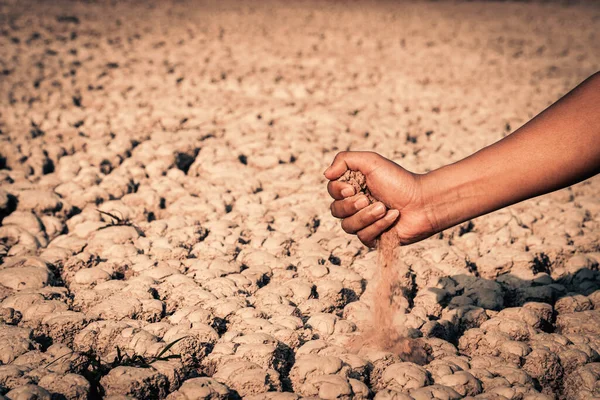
393,214
347,192
361,203
379,209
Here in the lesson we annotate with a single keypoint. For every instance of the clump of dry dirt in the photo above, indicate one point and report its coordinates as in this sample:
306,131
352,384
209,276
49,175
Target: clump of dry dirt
358,181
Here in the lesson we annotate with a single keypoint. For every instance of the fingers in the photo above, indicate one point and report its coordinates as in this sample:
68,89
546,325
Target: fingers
340,190
348,207
370,234
362,161
363,218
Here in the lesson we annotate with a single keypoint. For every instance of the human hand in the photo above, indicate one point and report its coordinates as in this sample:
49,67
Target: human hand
394,187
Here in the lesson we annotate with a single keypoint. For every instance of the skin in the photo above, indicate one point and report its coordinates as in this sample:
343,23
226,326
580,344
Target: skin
556,149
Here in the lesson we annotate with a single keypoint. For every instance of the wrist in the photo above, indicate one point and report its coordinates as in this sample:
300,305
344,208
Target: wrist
446,199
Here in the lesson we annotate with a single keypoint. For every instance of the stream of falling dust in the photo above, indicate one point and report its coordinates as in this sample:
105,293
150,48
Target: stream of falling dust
390,297
388,301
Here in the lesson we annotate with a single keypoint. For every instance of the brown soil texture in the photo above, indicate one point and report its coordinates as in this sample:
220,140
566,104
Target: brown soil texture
166,230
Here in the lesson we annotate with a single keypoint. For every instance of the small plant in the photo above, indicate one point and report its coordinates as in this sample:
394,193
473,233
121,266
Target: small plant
115,220
124,359
119,221
137,360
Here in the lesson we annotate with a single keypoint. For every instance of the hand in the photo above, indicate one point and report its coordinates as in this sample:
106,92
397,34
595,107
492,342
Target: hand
398,189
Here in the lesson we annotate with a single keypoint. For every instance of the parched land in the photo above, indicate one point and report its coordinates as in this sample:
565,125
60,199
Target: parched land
166,230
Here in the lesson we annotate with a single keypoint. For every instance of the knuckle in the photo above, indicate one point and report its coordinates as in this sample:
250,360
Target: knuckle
367,218
330,187
345,226
375,157
363,237
347,207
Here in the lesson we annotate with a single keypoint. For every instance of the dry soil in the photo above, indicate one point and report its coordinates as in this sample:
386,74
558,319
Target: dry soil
161,183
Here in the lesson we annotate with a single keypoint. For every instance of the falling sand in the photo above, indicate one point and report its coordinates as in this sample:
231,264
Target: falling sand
389,296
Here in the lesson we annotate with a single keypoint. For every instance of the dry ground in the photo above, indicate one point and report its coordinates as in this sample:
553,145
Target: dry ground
162,179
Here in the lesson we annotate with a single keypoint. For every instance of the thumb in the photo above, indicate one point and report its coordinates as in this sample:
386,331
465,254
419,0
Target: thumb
363,161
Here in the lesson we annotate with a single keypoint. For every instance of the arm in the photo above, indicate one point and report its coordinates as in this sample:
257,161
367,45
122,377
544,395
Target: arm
558,148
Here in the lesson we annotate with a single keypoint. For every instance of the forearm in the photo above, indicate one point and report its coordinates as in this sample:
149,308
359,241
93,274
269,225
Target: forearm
558,148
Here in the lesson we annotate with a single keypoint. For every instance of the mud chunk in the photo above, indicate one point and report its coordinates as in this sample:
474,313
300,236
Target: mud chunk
573,358
102,337
9,316
436,347
513,351
274,396
516,330
263,350
197,343
201,389
33,315
91,276
536,315
40,202
61,359
511,374
359,389
20,242
323,324
579,262
515,392
29,392
63,326
248,378
544,366
583,383
465,317
435,392
404,376
595,298
14,341
584,322
25,277
327,387
333,292
144,383
116,308
14,376
22,301
310,365
389,394
26,220
485,293
463,382
442,367
431,300
573,302
70,386
542,294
